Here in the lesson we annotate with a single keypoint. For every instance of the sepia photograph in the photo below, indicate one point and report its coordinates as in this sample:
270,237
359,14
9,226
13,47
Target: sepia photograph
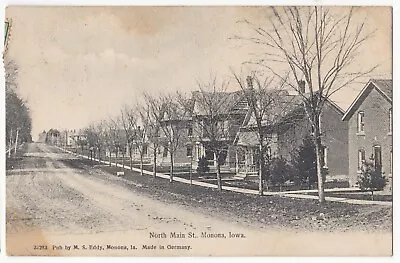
198,130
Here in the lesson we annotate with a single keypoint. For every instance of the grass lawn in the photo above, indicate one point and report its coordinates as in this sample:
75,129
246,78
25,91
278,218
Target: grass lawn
360,196
263,212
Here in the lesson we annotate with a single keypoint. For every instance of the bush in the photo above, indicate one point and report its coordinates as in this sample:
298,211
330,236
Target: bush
202,166
279,171
371,178
305,164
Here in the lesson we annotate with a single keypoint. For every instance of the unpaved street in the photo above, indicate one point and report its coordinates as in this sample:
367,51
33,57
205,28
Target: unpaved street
52,205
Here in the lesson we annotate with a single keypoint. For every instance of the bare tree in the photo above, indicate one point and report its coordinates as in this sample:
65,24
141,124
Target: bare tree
212,120
129,120
154,114
318,47
101,129
142,129
114,133
267,103
173,124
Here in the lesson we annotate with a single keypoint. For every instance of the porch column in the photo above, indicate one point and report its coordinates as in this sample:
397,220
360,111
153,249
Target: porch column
246,160
236,161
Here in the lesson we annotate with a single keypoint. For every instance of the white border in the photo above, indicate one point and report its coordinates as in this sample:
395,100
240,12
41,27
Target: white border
396,48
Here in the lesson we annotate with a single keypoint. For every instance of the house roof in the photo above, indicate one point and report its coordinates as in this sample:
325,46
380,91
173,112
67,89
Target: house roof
383,86
284,106
225,102
247,138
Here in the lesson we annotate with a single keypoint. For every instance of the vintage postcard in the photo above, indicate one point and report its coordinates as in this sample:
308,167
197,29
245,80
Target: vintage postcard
198,131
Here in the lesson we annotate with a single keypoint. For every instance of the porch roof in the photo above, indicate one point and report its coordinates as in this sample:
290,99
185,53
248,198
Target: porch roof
247,138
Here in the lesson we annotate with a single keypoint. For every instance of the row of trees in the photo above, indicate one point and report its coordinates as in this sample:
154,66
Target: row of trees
309,50
18,117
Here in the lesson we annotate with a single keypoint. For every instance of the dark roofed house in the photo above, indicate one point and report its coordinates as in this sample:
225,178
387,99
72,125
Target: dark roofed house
285,128
369,119
231,108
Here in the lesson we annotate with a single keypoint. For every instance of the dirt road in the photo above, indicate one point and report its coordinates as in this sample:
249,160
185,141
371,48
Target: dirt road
56,209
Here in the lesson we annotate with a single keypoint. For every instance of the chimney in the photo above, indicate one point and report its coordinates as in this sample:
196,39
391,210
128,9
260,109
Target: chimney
249,82
302,86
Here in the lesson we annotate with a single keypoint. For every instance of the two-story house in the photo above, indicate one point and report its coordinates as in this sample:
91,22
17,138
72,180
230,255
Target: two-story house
284,134
209,123
369,119
216,119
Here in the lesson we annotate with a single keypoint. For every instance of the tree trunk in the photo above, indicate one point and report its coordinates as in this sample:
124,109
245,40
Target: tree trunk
171,168
16,142
10,144
219,181
141,163
319,158
154,162
116,158
261,170
123,160
109,158
372,195
130,159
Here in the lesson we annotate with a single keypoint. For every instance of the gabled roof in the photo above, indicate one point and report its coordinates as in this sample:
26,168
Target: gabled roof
279,110
383,86
227,102
287,109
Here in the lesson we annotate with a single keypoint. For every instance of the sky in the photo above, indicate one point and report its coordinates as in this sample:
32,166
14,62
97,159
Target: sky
81,64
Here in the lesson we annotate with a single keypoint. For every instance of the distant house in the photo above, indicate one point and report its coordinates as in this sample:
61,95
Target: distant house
194,129
285,133
42,137
231,112
181,128
369,119
53,136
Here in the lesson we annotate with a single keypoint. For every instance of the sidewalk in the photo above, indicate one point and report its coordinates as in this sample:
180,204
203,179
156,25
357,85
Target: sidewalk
302,194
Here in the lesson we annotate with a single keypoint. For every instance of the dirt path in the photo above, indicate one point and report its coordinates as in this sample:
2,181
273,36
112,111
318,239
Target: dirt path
51,205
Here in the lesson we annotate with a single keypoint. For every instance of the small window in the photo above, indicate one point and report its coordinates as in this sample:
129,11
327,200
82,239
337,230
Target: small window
189,150
361,159
360,122
165,152
390,120
377,157
144,149
190,131
269,152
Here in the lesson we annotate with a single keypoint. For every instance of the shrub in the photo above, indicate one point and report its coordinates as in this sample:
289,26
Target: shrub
371,178
202,166
305,164
279,171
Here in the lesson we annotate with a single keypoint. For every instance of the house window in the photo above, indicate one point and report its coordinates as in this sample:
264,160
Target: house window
269,152
189,150
360,122
390,120
190,131
144,149
165,152
361,159
377,157
325,156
